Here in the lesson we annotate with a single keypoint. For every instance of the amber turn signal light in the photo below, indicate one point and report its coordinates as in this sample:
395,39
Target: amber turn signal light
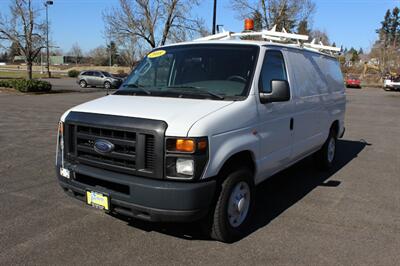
185,145
202,145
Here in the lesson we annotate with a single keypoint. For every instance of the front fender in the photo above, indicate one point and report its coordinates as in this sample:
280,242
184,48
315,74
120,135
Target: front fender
224,146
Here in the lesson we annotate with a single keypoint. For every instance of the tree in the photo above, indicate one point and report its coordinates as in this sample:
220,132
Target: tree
128,54
112,53
24,30
153,22
320,36
76,52
394,27
360,51
386,50
3,57
302,28
384,31
99,56
354,57
13,51
257,18
283,13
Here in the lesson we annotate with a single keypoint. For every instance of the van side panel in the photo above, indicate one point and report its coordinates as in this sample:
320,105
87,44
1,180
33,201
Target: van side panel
309,111
335,101
319,100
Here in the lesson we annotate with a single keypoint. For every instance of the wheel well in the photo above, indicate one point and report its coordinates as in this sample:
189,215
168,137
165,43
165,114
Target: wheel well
335,127
243,158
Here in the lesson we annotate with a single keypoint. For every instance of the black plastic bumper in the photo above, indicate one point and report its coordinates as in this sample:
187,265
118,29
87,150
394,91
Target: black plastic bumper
143,198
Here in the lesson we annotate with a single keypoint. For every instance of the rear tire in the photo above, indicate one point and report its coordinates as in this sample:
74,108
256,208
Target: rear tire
83,84
235,203
325,157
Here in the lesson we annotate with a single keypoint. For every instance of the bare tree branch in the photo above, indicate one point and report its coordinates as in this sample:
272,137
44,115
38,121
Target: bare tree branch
283,13
22,30
152,22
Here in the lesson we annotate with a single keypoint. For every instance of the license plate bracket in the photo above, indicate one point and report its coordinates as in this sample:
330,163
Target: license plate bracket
98,200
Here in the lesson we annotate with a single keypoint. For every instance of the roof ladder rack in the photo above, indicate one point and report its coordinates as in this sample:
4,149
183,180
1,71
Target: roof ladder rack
275,36
321,47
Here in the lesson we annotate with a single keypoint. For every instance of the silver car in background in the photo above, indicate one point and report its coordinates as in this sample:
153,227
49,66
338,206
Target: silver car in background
96,78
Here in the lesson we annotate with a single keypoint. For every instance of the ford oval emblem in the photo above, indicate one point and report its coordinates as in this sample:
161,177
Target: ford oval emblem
103,146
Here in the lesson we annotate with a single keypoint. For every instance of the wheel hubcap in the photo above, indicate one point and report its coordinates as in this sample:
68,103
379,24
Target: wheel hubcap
239,203
331,150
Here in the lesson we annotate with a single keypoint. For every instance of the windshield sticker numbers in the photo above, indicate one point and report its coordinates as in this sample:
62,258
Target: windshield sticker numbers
157,53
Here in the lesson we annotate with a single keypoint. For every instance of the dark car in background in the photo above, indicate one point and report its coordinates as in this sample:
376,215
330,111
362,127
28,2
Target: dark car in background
96,78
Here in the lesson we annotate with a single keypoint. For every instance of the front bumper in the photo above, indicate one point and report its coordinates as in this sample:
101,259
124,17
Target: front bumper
142,198
116,82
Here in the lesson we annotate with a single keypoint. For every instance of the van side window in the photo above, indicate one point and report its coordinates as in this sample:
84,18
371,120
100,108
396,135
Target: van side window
273,68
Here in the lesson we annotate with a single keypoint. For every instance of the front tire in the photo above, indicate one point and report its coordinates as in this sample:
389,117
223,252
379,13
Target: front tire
107,85
231,216
83,84
326,156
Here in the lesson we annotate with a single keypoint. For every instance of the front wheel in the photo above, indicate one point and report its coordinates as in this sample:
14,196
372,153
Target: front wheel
325,157
107,85
230,219
82,83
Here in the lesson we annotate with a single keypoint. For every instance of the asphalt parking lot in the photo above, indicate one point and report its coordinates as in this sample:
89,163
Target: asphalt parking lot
350,215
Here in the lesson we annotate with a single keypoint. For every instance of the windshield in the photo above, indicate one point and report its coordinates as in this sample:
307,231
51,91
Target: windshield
219,72
106,74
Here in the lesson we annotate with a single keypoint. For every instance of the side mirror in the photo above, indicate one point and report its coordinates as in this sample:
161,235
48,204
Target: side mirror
280,92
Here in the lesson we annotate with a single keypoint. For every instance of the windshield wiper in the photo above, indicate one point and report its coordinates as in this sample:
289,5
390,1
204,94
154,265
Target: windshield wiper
137,86
199,89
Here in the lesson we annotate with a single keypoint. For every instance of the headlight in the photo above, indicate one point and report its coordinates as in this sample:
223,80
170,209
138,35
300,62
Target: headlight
185,166
185,158
60,143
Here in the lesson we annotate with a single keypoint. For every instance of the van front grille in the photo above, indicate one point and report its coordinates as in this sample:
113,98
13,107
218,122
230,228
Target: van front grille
134,150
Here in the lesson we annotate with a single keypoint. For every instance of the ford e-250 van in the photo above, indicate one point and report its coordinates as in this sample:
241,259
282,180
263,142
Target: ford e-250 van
196,126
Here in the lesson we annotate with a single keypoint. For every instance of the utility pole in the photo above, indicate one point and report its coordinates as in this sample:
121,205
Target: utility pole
110,54
214,17
46,4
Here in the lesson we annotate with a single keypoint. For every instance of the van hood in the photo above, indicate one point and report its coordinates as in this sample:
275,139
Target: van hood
179,113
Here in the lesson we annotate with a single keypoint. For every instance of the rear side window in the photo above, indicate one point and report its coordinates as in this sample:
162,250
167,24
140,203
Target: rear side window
273,69
333,74
309,74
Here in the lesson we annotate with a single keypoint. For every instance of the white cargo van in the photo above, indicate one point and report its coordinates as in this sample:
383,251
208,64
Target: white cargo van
196,126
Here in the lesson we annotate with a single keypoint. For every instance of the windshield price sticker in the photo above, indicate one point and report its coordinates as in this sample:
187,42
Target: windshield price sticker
157,53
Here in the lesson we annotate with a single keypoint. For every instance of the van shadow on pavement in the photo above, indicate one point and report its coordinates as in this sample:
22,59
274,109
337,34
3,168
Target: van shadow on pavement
273,196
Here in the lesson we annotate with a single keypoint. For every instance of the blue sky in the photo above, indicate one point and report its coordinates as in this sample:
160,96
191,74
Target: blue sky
347,22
